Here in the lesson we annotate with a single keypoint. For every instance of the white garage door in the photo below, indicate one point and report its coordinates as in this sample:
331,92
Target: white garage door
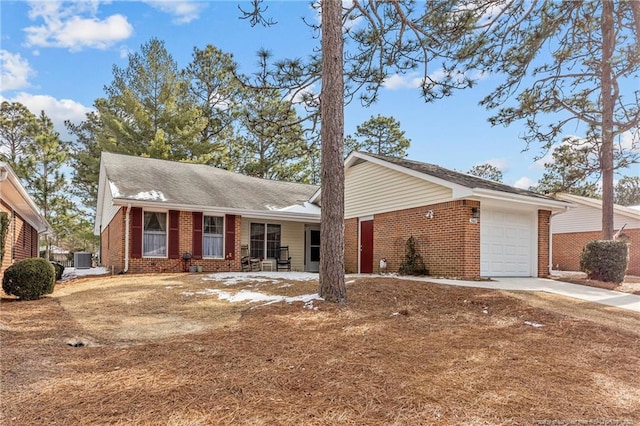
505,243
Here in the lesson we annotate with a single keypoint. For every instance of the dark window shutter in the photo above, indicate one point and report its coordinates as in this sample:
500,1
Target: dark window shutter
174,234
136,232
230,237
197,235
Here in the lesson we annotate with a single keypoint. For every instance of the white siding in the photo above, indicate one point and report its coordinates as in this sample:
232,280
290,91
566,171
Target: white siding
371,189
108,209
292,235
587,219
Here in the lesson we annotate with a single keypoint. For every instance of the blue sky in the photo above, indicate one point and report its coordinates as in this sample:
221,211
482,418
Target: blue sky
58,56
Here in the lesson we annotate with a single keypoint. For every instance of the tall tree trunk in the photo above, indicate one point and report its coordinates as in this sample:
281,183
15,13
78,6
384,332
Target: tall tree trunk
635,9
332,286
606,154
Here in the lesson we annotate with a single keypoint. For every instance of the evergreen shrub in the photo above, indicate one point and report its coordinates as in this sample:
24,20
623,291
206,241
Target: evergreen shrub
605,260
29,279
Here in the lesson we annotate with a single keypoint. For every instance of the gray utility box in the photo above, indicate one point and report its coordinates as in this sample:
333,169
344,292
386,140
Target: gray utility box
82,260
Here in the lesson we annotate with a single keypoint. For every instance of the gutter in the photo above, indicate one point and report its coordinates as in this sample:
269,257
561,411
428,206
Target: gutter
126,239
258,214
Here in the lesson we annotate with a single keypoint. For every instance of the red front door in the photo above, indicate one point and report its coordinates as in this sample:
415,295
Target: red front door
366,247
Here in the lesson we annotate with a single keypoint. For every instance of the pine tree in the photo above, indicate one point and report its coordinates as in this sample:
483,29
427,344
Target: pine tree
379,135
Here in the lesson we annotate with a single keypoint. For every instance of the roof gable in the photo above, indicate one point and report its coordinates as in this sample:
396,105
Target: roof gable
595,203
462,184
456,178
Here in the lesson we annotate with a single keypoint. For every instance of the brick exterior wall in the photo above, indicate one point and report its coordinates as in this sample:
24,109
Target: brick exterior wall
113,243
448,243
544,229
351,246
21,242
567,248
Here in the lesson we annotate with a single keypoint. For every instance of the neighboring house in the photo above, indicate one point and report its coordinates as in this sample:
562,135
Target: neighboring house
465,226
573,230
25,221
152,212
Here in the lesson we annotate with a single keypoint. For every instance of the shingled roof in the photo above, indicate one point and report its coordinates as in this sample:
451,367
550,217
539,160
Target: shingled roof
186,184
462,179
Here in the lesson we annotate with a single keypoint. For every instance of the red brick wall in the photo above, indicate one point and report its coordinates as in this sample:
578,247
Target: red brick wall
448,243
567,249
21,242
112,240
544,220
351,246
112,243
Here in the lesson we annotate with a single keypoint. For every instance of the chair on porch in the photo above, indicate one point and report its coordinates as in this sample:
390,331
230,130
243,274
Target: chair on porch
283,261
248,263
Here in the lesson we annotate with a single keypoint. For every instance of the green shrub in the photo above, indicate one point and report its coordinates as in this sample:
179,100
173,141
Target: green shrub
59,270
412,263
605,260
29,279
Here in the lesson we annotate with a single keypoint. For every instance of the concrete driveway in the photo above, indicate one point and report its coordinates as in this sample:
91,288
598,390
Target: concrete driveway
616,299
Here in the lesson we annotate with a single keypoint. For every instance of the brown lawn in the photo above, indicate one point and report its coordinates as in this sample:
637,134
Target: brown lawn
399,353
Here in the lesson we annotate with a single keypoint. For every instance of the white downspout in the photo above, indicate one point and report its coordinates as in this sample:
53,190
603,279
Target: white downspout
126,238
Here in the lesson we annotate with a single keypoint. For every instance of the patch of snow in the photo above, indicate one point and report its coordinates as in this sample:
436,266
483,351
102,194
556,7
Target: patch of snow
254,296
188,293
534,324
305,207
115,192
150,195
70,273
233,278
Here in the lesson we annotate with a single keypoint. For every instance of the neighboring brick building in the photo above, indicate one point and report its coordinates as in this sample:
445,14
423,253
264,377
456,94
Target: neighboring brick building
464,226
573,230
25,223
152,212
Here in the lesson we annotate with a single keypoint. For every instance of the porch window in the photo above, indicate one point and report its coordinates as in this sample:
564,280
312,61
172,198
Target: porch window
155,234
264,240
212,237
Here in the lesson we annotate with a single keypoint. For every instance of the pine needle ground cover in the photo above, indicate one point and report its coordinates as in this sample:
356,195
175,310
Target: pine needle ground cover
190,350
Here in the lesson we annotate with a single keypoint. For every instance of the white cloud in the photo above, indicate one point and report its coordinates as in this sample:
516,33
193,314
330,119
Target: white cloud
183,12
630,140
458,76
74,26
413,81
524,183
15,71
58,110
399,81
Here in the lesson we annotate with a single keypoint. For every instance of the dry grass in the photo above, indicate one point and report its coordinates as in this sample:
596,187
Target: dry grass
400,352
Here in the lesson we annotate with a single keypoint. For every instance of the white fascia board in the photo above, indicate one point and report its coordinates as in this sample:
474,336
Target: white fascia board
553,205
102,177
259,214
31,214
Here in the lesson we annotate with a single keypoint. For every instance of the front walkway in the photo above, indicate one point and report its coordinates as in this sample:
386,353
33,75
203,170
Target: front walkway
616,299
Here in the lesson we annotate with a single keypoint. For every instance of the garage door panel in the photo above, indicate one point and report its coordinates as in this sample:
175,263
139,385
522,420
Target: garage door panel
505,242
